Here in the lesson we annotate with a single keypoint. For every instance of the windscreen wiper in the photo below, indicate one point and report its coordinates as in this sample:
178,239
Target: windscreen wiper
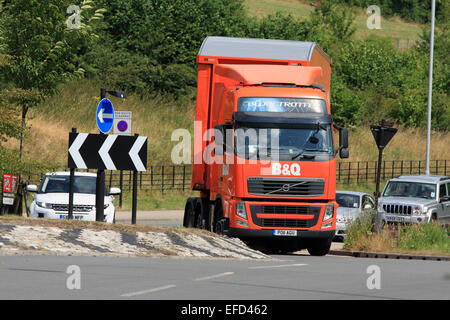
305,156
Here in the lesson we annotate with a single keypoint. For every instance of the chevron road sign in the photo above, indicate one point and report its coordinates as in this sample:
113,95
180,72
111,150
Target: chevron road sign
107,152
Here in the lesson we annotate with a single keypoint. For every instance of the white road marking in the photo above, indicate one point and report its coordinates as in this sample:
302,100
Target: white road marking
279,266
137,293
214,276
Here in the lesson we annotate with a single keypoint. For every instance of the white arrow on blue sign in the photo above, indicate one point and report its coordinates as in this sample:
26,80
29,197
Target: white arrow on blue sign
105,115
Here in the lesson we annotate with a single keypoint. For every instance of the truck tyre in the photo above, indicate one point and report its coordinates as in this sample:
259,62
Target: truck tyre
189,213
202,214
218,226
319,247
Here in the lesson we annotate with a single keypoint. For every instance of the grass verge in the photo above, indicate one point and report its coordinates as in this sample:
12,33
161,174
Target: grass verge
427,238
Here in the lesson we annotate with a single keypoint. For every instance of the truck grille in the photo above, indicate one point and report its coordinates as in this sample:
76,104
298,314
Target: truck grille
285,211
288,223
287,187
397,209
76,208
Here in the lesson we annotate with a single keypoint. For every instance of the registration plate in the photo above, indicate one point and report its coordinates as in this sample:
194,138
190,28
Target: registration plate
286,233
75,217
396,219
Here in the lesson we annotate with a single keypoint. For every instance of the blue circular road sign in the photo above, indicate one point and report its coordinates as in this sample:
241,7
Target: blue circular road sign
105,115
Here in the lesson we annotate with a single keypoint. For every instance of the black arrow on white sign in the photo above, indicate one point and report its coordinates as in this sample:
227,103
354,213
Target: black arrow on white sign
110,152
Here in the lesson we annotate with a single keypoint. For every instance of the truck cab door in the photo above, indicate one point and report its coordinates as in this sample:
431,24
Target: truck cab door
224,151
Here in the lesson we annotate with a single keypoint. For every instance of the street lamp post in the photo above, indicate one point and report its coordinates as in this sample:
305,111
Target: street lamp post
430,87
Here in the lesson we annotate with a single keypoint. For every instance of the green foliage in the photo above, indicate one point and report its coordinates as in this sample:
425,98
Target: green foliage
278,26
360,231
331,25
150,47
427,236
41,51
38,51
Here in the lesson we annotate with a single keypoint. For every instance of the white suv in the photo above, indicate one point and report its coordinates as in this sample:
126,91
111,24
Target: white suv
52,198
416,199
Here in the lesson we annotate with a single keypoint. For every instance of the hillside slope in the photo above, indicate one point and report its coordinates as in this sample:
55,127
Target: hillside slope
395,28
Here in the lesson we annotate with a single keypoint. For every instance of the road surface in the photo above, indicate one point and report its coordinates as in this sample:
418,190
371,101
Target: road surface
289,277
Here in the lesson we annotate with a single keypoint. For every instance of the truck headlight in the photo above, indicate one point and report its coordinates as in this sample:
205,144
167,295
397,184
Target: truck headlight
329,212
240,210
327,225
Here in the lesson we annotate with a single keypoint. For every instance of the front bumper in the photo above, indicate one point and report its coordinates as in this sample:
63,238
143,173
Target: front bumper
341,229
268,233
39,212
395,218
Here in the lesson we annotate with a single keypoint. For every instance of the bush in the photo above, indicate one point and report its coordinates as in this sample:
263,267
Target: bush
427,236
359,232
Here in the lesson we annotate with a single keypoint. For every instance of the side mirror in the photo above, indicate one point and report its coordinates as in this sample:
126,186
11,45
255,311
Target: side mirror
343,138
32,188
115,191
368,206
343,153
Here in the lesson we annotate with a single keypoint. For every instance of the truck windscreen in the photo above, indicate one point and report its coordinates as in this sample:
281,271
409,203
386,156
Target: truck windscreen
283,143
277,104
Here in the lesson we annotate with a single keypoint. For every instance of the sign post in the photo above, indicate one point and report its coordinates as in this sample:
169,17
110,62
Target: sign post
105,120
72,177
122,126
108,152
382,133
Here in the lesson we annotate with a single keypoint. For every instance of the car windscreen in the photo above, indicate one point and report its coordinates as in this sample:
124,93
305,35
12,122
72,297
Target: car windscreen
347,200
410,189
60,184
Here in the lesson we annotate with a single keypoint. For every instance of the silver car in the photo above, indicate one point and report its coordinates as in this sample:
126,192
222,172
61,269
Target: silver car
351,205
416,199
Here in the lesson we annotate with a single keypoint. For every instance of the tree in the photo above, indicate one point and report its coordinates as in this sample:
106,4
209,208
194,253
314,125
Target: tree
40,47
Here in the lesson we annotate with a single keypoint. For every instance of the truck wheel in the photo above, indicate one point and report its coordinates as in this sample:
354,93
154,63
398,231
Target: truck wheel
218,221
202,214
198,214
319,247
189,213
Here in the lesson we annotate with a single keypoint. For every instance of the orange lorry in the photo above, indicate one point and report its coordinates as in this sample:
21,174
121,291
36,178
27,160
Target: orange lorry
264,150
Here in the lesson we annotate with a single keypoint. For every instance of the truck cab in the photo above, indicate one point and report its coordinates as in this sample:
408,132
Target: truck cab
264,145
